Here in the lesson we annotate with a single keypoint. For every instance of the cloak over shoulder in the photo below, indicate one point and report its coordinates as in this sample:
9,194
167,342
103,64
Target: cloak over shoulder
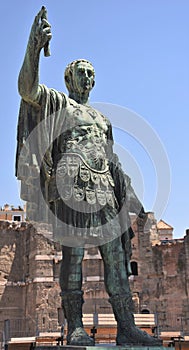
38,125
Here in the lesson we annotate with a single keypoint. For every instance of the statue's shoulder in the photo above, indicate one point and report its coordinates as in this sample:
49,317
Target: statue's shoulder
44,90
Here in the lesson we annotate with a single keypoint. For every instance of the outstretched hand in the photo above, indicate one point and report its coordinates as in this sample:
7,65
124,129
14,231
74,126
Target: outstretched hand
41,30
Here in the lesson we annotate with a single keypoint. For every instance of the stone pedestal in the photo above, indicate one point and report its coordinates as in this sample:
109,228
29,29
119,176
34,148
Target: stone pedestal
100,347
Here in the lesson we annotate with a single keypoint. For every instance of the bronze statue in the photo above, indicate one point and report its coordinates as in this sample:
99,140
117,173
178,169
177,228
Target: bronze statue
81,181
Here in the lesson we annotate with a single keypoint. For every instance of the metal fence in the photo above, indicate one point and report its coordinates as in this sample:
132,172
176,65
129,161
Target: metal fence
27,327
170,323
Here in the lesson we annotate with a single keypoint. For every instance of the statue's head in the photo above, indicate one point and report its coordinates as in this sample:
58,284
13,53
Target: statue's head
79,76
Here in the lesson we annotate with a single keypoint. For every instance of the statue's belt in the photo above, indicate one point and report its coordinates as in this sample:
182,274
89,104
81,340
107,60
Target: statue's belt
72,163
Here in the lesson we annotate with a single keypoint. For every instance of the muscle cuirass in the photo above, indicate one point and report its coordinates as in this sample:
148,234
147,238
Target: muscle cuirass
82,165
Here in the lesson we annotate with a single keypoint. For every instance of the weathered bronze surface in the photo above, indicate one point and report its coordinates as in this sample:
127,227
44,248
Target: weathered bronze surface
65,153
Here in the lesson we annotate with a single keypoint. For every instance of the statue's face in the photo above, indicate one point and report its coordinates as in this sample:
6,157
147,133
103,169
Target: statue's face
83,77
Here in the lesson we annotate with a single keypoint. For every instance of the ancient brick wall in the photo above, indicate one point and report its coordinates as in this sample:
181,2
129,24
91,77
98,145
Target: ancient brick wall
29,274
29,290
162,281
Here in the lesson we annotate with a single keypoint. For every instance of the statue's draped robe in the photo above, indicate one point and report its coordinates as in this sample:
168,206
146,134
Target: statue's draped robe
45,129
38,123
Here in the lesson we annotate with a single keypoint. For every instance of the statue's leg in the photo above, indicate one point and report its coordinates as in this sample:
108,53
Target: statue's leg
117,286
115,276
71,269
72,295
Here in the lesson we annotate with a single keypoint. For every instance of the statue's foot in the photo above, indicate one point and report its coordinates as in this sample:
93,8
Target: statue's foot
79,337
135,336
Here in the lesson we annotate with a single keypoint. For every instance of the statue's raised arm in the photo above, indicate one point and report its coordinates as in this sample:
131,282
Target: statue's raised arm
40,35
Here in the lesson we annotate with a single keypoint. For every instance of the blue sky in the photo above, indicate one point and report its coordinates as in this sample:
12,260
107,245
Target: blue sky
140,51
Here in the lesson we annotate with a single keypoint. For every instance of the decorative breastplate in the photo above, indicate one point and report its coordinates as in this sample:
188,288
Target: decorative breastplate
83,171
89,142
86,129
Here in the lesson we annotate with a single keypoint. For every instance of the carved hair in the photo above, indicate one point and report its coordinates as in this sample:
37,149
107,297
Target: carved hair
68,75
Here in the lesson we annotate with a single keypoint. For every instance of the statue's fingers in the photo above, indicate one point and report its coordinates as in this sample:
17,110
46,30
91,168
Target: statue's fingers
47,30
45,23
40,14
48,34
